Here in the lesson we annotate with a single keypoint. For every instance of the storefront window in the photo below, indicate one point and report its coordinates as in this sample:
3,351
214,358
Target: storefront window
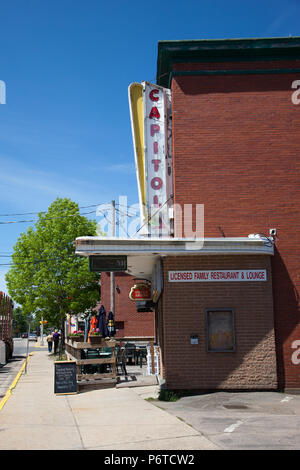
220,330
119,325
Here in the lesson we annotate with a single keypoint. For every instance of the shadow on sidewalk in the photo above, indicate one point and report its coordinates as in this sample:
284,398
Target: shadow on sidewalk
5,368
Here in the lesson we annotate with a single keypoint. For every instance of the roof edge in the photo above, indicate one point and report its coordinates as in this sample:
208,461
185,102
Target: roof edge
218,49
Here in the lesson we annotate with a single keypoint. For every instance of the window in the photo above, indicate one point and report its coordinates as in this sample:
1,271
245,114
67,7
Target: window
119,325
220,330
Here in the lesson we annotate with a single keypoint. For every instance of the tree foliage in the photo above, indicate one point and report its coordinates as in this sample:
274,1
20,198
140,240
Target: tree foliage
46,276
19,321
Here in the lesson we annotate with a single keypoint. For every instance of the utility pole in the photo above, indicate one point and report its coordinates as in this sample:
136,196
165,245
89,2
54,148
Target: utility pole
27,349
42,332
112,274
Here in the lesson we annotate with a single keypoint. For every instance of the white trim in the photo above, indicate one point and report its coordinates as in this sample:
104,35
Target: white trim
86,246
142,254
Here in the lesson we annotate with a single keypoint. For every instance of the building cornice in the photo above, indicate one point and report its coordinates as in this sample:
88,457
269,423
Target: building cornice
220,50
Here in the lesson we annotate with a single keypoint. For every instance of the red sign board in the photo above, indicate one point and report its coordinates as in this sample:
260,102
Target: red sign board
141,291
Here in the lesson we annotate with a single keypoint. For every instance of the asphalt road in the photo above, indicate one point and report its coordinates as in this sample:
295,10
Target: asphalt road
20,347
242,420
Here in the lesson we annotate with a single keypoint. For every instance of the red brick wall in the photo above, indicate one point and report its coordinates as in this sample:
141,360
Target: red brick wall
236,147
135,324
190,366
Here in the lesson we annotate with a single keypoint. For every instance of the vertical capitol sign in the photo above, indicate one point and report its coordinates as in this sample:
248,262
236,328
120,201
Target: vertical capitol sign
150,110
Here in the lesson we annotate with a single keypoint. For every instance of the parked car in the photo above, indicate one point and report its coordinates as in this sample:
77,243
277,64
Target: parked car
33,337
24,335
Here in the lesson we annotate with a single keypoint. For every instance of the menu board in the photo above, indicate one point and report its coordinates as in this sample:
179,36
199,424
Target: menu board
65,381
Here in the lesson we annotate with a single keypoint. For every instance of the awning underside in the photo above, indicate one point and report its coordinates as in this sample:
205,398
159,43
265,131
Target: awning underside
142,254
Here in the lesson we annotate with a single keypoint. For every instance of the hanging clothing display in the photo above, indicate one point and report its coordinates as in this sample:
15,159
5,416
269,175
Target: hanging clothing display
103,330
111,324
93,324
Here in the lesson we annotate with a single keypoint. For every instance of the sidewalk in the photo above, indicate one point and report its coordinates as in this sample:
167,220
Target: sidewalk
35,418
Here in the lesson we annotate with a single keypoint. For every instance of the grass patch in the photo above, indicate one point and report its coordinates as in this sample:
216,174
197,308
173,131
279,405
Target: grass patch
58,357
168,395
62,357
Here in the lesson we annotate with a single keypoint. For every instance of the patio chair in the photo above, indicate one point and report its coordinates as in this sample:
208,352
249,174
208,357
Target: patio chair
130,349
121,362
142,354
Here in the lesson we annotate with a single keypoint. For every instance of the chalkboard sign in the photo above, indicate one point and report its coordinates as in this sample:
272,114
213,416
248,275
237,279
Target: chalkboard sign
65,377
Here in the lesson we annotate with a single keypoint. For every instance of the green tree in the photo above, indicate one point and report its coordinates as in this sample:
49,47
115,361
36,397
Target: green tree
46,277
19,321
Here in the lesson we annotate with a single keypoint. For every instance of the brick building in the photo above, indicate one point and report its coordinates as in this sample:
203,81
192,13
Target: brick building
129,322
227,314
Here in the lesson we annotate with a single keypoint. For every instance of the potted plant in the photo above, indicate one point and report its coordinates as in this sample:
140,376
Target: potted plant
95,336
77,336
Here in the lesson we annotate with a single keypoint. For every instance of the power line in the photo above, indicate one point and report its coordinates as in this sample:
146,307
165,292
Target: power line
48,218
86,213
13,254
29,262
44,260
103,213
68,215
125,213
44,212
151,217
59,217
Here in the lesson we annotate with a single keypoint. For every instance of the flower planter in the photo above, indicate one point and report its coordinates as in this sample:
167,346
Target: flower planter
96,339
77,339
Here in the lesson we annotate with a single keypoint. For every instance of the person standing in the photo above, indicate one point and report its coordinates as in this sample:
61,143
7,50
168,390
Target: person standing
50,342
56,336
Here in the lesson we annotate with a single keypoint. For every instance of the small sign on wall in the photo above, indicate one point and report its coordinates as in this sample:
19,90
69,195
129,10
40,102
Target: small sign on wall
140,291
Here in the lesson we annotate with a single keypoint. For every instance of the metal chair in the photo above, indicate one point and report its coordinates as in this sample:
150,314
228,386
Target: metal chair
142,354
130,349
121,362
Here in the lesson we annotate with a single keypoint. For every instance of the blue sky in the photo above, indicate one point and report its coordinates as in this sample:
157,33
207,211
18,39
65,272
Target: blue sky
65,128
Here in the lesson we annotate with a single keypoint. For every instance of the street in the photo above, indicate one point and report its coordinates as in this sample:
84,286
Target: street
20,347
258,420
